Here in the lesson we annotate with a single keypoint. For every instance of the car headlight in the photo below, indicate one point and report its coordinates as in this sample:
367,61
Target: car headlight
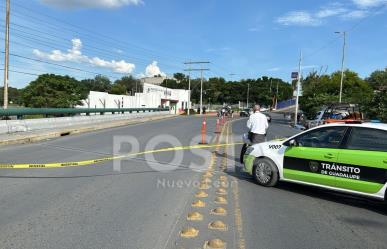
249,150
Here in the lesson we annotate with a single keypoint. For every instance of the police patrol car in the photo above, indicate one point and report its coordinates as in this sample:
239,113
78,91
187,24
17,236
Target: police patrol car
350,158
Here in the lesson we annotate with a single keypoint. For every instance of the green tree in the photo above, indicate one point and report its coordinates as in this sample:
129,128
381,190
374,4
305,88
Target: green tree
50,90
320,90
118,89
377,108
99,84
378,79
14,96
129,83
179,77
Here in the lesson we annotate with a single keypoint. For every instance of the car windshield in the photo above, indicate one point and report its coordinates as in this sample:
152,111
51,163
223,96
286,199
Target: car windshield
129,124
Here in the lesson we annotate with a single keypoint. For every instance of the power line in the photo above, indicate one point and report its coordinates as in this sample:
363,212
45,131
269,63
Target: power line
94,34
48,42
21,72
59,65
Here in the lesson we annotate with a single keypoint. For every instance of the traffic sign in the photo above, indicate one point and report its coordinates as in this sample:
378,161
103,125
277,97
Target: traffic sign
294,75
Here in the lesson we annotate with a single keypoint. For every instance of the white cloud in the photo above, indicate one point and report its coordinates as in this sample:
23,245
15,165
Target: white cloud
369,3
209,50
355,14
152,70
91,3
298,18
355,10
330,10
75,55
274,69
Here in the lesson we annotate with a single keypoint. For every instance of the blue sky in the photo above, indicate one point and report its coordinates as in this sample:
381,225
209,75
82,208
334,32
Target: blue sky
246,38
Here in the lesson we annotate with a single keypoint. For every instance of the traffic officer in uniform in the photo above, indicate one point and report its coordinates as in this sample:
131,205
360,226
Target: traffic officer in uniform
257,125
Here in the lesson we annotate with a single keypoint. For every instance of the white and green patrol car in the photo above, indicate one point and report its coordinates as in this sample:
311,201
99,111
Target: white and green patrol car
350,158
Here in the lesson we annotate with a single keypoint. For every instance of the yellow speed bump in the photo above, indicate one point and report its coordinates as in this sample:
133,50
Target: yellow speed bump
189,232
221,191
204,186
224,184
215,244
105,159
220,200
218,225
207,174
223,178
201,194
206,180
195,216
219,211
198,203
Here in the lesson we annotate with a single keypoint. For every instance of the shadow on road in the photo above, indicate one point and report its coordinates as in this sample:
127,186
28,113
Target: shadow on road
337,197
326,195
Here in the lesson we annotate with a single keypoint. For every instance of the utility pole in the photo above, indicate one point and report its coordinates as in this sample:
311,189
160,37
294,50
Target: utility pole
6,59
248,92
189,90
276,96
201,79
298,89
344,33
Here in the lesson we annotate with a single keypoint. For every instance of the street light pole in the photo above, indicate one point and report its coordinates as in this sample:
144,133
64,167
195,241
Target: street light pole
6,58
276,96
298,89
189,92
344,33
248,92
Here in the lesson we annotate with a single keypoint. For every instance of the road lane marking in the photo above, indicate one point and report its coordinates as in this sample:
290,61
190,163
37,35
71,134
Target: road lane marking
106,159
237,209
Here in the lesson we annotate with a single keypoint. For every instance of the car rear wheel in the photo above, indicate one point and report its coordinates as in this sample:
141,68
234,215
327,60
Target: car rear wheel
265,172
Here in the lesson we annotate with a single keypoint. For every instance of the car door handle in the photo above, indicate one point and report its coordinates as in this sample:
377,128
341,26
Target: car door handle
384,161
329,156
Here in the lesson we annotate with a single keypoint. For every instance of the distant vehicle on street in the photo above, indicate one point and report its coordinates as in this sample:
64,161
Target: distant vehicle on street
268,116
335,113
225,111
347,157
245,112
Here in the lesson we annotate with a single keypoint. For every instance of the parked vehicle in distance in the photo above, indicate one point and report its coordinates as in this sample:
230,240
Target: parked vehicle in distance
245,112
334,113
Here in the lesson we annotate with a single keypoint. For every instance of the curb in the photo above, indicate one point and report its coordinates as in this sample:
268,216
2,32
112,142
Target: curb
32,138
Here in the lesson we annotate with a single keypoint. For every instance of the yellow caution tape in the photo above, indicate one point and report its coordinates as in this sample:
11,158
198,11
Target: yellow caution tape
105,159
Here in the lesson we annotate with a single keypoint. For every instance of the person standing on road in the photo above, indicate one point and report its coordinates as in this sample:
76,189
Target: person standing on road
257,125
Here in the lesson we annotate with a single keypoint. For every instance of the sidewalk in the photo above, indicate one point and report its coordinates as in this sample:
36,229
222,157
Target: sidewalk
44,134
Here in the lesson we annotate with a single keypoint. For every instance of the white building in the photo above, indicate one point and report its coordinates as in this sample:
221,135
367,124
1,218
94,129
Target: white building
153,96
153,80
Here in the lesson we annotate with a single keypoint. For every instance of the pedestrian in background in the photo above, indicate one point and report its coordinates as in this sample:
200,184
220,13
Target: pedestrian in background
257,125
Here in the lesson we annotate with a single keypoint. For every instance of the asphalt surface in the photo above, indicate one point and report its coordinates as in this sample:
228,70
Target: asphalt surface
145,204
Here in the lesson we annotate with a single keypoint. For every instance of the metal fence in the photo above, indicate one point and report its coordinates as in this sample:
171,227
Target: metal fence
62,112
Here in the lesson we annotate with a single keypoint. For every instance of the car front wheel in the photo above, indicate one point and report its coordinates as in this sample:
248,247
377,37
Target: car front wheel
265,172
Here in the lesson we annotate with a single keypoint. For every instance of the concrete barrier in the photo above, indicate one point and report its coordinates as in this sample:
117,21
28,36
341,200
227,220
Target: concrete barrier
14,126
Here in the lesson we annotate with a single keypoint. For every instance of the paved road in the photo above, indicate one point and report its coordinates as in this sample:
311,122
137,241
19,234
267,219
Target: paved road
142,207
